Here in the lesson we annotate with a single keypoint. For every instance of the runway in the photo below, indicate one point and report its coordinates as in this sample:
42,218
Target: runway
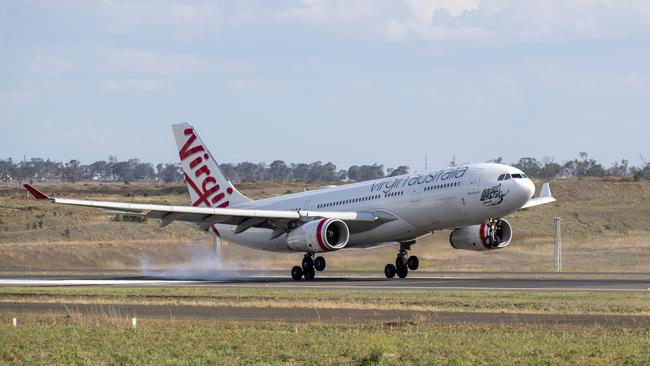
350,281
340,281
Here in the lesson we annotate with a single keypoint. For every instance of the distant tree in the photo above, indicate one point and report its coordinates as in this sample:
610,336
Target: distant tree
550,170
100,169
300,172
279,170
530,166
248,171
365,172
144,171
230,171
319,172
498,160
354,172
170,172
400,170
72,171
619,169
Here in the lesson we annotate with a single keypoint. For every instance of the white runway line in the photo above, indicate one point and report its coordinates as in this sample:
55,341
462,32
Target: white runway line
23,282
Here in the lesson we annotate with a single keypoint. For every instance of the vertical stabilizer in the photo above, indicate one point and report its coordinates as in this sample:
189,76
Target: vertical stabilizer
206,183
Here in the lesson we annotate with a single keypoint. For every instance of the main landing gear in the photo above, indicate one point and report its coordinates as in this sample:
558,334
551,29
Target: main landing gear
308,268
402,263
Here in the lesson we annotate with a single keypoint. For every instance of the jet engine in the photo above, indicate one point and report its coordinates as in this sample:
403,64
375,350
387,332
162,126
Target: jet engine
494,235
322,235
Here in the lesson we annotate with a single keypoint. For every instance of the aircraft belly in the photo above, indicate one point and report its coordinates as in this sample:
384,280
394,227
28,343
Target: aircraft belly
390,231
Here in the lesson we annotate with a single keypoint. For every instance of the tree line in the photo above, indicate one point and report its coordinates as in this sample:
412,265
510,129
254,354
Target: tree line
112,169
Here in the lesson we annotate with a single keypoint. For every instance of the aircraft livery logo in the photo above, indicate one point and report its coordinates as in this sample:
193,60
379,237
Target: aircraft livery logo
493,196
209,191
206,187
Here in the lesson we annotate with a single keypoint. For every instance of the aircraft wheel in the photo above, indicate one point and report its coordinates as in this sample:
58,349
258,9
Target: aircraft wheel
310,274
319,264
307,263
400,261
413,263
390,270
296,273
402,272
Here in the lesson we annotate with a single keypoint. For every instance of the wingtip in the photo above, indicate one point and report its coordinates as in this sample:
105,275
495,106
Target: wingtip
546,191
35,192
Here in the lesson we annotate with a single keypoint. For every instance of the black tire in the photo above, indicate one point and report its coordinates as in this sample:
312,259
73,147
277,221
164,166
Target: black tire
413,263
307,263
320,264
400,261
310,274
402,272
296,273
390,270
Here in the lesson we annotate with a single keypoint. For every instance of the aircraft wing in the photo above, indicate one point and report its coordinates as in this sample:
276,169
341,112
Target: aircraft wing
206,217
544,197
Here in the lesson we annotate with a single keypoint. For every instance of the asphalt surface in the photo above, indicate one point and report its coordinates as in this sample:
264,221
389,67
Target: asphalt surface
415,281
320,315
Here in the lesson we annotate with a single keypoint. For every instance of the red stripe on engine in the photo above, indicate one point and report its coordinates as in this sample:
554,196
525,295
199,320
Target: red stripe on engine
318,235
482,233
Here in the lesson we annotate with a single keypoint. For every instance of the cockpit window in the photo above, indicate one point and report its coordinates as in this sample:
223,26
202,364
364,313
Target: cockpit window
507,177
501,177
517,176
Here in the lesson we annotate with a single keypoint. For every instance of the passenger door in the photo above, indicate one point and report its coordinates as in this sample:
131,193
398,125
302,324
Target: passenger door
474,180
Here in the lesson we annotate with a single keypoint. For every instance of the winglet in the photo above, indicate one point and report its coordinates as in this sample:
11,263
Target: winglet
36,193
544,197
546,191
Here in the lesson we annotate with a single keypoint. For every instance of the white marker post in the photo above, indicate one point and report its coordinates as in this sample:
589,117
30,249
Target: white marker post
134,322
14,321
558,245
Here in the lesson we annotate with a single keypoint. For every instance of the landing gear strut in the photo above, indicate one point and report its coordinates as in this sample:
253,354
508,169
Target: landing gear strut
403,262
308,268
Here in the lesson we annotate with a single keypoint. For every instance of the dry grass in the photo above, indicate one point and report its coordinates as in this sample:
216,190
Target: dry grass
605,228
408,300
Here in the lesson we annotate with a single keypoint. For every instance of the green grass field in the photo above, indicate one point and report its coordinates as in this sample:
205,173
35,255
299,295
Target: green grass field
106,341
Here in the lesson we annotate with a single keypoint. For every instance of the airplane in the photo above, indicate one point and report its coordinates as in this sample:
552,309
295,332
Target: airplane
470,200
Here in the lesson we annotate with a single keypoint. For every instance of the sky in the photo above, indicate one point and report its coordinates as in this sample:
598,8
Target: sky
349,81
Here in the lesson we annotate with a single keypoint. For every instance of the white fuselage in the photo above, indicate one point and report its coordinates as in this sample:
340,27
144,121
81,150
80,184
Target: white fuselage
419,203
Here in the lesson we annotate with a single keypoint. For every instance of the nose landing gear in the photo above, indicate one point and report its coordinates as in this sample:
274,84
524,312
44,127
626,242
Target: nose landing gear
402,263
308,268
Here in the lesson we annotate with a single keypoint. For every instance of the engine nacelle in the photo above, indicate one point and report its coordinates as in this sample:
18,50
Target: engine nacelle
482,237
322,235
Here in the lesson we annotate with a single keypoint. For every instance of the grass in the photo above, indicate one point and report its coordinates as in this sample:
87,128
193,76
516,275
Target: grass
104,340
456,301
604,230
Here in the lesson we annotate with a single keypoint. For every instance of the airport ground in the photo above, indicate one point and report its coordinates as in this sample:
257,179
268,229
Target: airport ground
195,306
